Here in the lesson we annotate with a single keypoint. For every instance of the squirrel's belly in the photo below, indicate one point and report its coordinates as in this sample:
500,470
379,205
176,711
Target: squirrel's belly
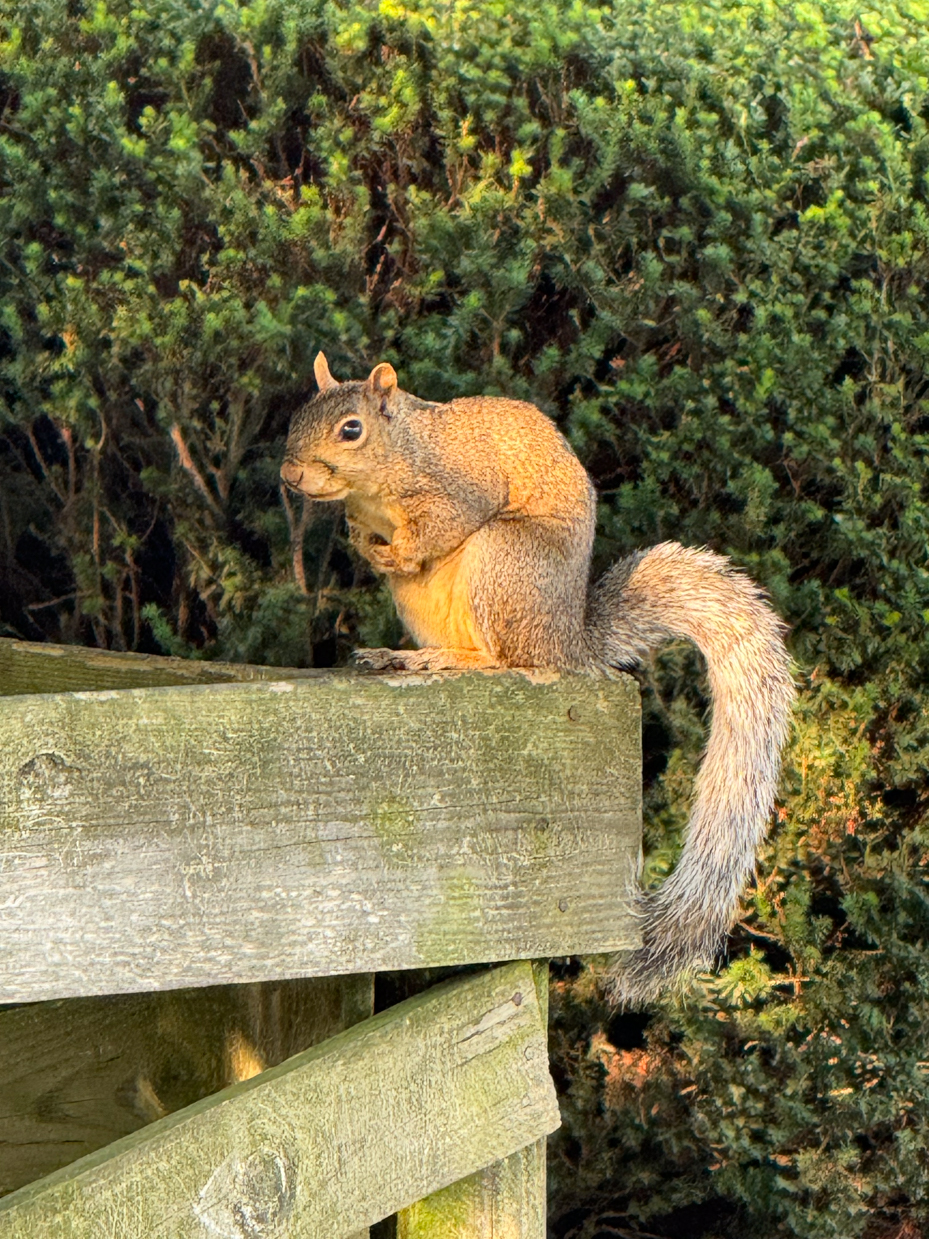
435,605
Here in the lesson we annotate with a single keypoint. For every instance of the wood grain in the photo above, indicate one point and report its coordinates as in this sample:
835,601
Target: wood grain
330,1141
174,837
79,1073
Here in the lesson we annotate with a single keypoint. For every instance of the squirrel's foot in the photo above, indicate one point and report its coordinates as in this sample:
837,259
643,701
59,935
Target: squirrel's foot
381,660
422,660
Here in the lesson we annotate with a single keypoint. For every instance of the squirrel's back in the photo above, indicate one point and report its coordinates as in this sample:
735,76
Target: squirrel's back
485,438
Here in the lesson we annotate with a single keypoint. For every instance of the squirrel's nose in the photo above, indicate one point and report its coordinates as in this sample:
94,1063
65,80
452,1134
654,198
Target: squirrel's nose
291,474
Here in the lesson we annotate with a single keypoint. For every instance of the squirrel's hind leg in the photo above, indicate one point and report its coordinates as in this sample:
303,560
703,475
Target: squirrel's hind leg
527,581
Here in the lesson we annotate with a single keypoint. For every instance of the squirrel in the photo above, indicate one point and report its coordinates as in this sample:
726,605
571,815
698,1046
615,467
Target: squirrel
482,519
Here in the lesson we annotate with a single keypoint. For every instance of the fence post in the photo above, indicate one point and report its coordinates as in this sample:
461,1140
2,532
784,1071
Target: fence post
505,1200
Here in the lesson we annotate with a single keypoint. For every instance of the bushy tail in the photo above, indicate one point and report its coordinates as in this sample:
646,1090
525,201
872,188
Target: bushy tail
670,592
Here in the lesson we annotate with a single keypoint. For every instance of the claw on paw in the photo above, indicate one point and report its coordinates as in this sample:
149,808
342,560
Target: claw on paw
423,660
382,660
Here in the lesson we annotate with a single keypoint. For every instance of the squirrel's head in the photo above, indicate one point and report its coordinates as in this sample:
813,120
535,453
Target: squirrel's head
338,438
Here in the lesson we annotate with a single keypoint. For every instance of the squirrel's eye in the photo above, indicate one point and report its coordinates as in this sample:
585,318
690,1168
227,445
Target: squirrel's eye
351,430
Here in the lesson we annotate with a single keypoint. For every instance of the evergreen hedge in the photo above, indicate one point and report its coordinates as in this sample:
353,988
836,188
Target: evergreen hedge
694,233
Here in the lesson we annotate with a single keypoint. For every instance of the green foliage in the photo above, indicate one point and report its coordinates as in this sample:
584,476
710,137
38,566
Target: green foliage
695,233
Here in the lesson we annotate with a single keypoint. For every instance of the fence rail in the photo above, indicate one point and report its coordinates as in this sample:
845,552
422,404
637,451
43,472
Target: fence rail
167,837
274,837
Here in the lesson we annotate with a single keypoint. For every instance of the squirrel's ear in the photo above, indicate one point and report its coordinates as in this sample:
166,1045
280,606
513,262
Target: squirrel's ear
324,379
382,380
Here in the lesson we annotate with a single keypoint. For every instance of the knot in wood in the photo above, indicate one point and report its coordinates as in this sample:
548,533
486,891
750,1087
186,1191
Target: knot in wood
47,775
249,1198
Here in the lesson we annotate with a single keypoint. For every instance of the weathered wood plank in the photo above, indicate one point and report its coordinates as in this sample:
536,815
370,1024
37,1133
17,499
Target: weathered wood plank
77,1074
505,1200
33,667
173,837
332,1140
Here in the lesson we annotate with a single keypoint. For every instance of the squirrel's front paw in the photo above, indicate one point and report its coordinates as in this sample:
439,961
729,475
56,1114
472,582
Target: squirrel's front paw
384,557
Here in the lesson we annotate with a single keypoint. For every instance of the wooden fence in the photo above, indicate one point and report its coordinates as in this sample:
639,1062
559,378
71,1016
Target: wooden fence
201,868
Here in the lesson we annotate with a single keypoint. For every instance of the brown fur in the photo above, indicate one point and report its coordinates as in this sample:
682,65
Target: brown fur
482,519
